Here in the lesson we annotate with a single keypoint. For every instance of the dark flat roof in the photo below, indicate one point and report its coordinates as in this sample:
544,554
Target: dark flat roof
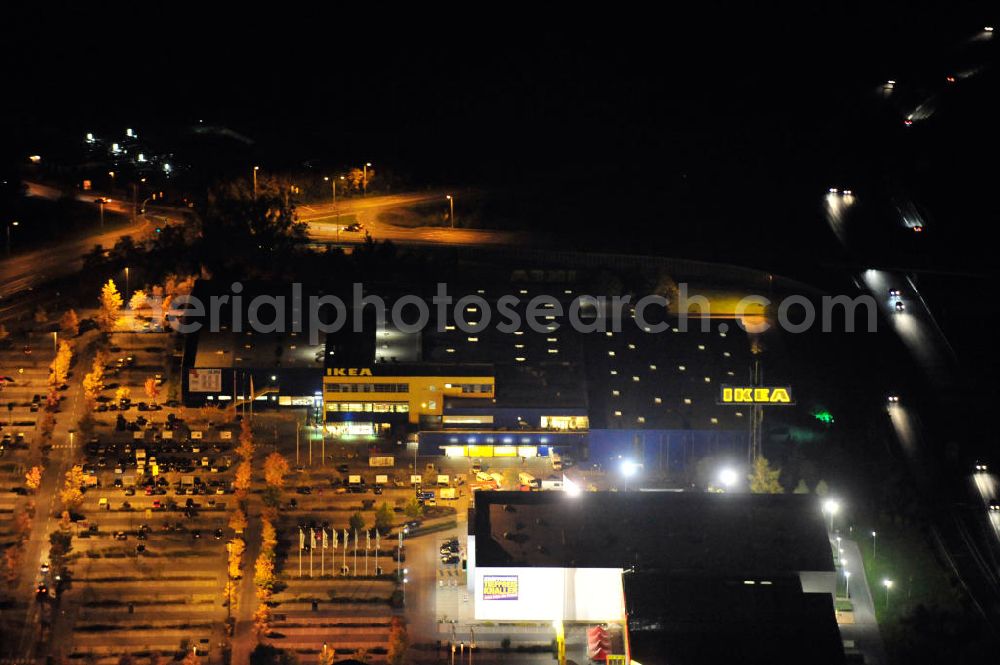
682,532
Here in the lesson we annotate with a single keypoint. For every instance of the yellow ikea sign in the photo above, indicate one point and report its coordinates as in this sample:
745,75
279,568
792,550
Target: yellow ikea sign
348,371
756,395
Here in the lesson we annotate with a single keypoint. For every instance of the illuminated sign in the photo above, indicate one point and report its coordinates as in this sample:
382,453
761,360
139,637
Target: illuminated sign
500,587
349,371
204,380
756,395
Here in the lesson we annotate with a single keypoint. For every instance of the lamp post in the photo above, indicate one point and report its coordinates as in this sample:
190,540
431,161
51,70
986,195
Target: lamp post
364,179
126,286
847,583
888,585
629,469
874,545
100,205
10,224
111,174
728,477
255,169
451,209
831,507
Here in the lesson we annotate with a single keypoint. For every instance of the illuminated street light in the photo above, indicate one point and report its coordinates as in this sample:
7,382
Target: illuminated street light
255,169
847,583
874,545
571,488
451,208
888,585
364,179
10,224
629,469
831,507
728,477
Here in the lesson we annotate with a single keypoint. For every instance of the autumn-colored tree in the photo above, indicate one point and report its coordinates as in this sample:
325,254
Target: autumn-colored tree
238,522
764,479
138,300
231,595
33,479
191,658
247,446
22,523
327,656
60,364
263,572
262,619
123,393
110,306
71,498
275,468
69,324
268,535
52,398
93,381
398,641
152,389
75,477
244,475
236,547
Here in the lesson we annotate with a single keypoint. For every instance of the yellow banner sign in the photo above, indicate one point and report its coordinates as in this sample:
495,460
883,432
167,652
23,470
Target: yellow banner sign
500,587
756,395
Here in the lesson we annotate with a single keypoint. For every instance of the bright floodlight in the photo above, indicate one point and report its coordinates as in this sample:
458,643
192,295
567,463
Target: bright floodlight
831,506
571,488
728,477
629,468
887,584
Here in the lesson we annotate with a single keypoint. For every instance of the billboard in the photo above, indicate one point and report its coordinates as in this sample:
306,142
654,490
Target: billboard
205,380
546,594
499,587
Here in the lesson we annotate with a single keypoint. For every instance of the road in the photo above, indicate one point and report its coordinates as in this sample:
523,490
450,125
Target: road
325,227
864,631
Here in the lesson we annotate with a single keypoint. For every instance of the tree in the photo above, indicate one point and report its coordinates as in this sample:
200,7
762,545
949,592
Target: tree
764,479
69,323
93,381
110,306
236,547
357,522
33,479
802,487
383,518
413,509
268,535
231,595
12,562
152,389
263,571
60,365
238,522
327,656
262,618
822,489
398,641
191,658
247,446
244,474
123,393
275,468
138,300
46,427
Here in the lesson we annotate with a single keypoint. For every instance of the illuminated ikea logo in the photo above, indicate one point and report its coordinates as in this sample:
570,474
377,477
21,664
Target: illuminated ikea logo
499,587
756,395
349,371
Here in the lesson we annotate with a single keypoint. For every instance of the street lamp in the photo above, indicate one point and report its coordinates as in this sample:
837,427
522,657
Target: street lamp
888,585
874,546
364,179
847,583
451,209
111,174
10,224
728,477
255,169
126,286
831,507
629,469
